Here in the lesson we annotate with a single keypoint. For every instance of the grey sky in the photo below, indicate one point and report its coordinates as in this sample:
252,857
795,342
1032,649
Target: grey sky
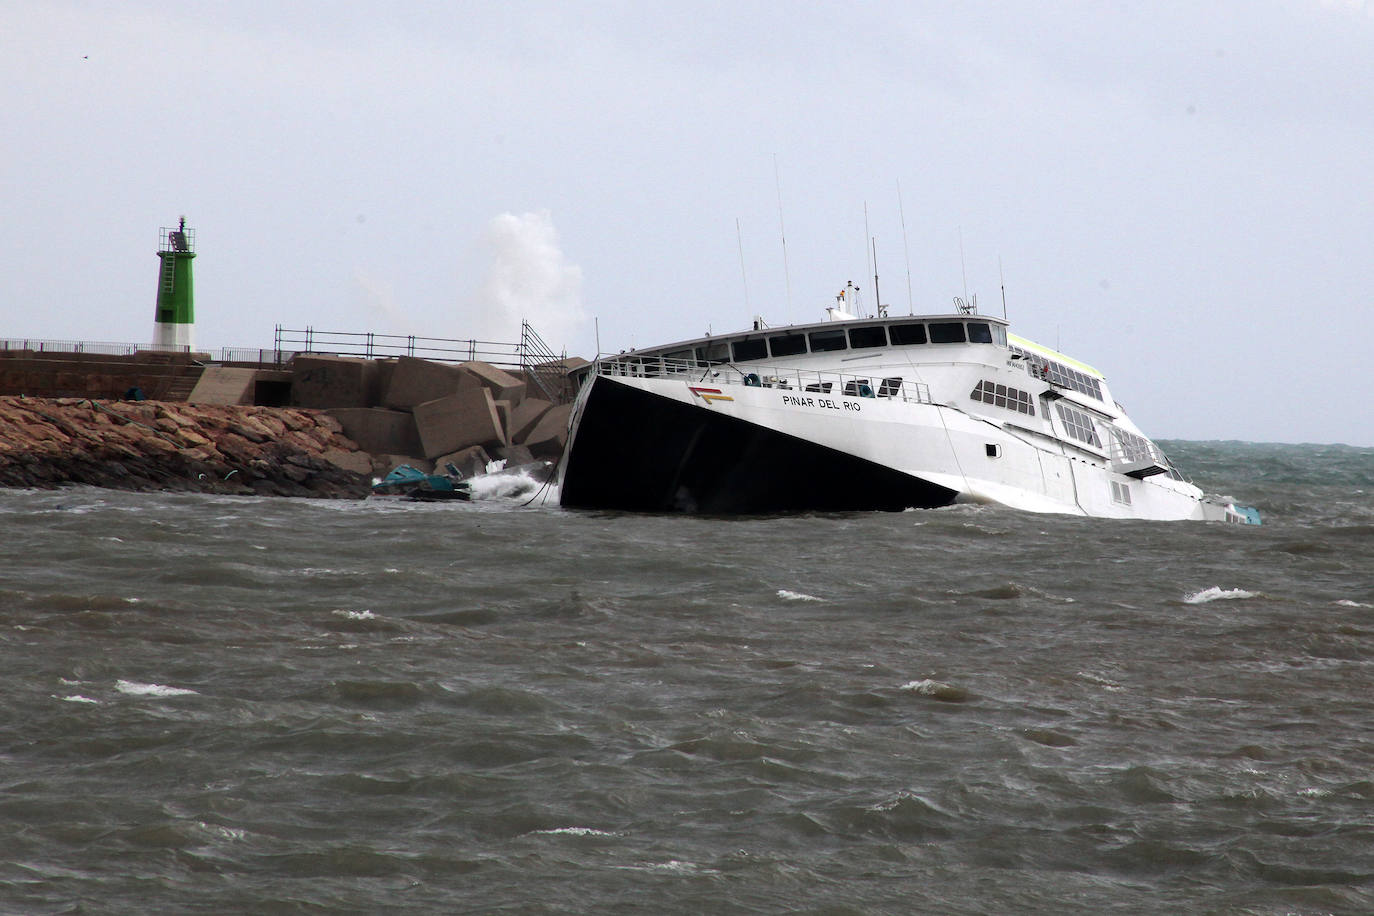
1178,193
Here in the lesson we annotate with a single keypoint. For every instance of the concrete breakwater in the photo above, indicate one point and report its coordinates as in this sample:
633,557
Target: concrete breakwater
146,445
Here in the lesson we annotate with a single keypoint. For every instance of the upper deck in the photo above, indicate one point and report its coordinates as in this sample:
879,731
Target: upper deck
834,337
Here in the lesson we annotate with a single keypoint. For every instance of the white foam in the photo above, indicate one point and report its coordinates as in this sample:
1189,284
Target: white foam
77,698
515,484
789,595
574,831
926,687
133,688
1346,602
356,615
1217,594
1099,680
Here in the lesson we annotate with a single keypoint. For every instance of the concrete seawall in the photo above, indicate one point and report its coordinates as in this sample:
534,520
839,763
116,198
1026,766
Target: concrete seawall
127,445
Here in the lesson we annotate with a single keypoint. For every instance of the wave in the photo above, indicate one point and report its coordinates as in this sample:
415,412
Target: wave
134,688
789,595
936,690
1218,594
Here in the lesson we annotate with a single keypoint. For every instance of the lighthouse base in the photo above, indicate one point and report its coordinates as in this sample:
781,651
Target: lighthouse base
170,336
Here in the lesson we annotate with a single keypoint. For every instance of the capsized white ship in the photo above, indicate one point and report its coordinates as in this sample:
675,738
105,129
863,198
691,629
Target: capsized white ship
855,413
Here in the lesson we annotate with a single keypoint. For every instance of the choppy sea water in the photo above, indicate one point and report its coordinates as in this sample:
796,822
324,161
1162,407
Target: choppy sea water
282,706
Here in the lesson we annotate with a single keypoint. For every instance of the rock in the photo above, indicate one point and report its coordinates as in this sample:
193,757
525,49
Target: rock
208,448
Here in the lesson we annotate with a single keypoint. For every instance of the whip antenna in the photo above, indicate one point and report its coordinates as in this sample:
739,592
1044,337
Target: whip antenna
743,276
782,231
910,303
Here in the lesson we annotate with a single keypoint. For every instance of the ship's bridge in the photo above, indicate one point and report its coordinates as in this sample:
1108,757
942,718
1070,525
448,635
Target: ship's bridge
832,337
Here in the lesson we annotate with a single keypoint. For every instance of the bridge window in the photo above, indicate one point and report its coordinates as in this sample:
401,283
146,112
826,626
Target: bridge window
903,334
825,341
750,349
947,332
717,352
864,338
979,332
787,344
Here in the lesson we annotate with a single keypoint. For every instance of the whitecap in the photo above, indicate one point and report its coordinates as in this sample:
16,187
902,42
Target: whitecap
133,688
789,595
1099,680
1217,594
1346,602
574,831
356,615
936,690
77,698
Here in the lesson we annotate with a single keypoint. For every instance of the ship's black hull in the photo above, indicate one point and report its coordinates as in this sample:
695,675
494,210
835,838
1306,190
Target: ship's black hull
636,451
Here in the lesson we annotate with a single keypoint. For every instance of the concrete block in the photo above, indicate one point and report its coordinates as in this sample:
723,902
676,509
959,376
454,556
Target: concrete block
333,381
470,461
549,436
527,413
383,465
515,455
454,422
224,385
414,381
503,411
379,431
502,385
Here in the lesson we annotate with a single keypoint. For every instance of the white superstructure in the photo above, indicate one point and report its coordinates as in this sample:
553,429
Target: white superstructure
866,413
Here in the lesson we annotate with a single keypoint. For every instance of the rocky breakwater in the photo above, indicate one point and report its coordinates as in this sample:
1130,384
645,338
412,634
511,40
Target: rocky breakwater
148,445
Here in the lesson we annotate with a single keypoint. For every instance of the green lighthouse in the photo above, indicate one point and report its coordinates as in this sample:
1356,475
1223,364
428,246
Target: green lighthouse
175,318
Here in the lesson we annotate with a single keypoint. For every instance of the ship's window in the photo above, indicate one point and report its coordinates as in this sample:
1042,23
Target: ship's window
1078,424
978,332
872,336
717,352
993,449
891,387
999,335
787,344
947,332
1057,373
1003,396
1121,493
903,334
750,349
678,354
824,341
1135,448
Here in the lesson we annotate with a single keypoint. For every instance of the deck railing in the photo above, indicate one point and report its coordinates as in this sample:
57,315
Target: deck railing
802,381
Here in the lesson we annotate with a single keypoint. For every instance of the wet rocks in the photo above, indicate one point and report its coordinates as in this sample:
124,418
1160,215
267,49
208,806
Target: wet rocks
148,445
